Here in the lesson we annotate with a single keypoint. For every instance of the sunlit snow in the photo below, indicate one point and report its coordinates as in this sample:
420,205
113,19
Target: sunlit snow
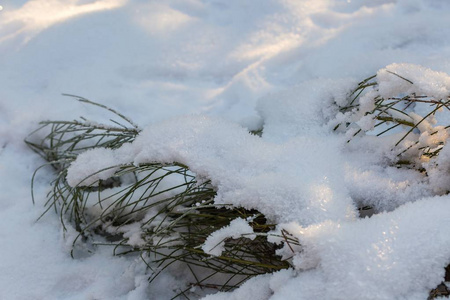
197,75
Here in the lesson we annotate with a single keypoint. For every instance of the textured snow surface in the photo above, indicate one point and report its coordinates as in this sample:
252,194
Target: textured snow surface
420,80
197,75
372,258
286,182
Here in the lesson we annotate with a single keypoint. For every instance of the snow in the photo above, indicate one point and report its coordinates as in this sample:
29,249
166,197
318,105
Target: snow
215,243
91,162
197,75
439,171
247,171
421,81
259,288
376,252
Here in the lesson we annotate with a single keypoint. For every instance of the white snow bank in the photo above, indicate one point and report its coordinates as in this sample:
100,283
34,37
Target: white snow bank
285,182
385,188
35,16
303,110
397,255
219,56
36,260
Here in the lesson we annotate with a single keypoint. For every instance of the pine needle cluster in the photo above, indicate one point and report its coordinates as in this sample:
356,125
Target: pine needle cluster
396,115
157,211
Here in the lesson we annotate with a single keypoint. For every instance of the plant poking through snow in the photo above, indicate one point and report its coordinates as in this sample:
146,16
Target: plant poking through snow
163,212
401,101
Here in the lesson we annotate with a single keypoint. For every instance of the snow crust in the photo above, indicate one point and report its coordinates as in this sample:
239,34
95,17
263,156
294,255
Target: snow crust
283,64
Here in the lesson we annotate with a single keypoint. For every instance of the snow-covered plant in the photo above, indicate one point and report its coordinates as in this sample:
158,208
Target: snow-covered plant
163,212
60,142
404,104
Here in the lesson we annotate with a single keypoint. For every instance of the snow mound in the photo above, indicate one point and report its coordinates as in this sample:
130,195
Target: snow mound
396,255
163,59
286,182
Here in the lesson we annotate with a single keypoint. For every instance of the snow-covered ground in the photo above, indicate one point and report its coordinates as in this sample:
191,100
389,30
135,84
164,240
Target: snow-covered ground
278,63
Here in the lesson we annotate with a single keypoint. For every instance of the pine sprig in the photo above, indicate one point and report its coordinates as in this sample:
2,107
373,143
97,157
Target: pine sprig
393,113
173,211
